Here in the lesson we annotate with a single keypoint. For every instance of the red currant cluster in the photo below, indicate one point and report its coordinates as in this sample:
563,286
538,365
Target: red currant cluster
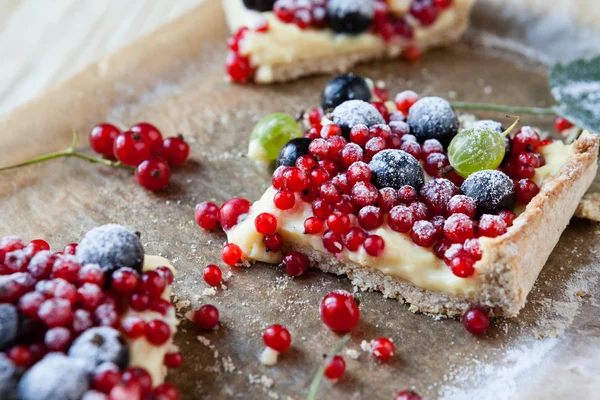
303,13
238,66
523,161
62,299
143,147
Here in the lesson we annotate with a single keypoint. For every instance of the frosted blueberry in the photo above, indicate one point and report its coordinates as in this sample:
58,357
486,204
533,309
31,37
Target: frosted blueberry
396,168
433,118
99,345
356,112
343,88
492,191
9,325
350,16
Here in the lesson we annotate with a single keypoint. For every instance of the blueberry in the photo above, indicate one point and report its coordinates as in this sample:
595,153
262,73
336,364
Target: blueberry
112,247
396,168
9,325
356,112
99,345
492,191
259,5
94,395
9,378
433,118
55,377
293,149
350,16
343,88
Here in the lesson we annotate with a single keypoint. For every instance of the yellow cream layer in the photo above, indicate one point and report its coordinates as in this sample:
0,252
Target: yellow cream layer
142,353
285,43
401,257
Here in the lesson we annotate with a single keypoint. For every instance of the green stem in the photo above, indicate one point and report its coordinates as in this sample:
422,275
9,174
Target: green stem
68,152
502,108
314,386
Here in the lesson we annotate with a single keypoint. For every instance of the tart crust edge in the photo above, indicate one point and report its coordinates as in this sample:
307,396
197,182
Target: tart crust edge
511,263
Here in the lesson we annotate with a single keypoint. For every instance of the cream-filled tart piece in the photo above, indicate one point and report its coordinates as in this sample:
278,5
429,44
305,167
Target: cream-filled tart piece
283,40
383,195
94,318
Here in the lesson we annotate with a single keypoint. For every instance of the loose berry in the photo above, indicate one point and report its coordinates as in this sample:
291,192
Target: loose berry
382,348
295,263
335,368
131,148
231,254
273,242
476,321
153,135
277,338
212,275
102,139
411,53
339,311
153,173
206,317
561,124
175,150
207,215
173,360
231,210
407,395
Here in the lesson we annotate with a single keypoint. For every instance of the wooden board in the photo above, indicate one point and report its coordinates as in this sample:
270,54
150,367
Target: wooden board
174,78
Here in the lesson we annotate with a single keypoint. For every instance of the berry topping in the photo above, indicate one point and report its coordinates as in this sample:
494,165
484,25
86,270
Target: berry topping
293,149
561,124
356,112
382,348
112,247
343,88
350,16
265,223
231,210
405,100
271,134
458,228
526,190
374,245
491,190
354,239
437,193
433,118
395,169
99,345
425,11
55,377
339,311
277,338
423,233
9,377
295,263
476,321
491,226
238,67
273,242
9,324
206,317
259,5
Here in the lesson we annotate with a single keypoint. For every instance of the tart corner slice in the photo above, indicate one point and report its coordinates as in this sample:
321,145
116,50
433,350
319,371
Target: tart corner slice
275,41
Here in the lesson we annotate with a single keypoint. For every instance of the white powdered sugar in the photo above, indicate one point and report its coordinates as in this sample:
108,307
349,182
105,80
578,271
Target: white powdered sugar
341,8
356,112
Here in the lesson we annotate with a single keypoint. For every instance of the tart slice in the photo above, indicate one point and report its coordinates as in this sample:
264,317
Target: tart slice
393,196
281,40
94,319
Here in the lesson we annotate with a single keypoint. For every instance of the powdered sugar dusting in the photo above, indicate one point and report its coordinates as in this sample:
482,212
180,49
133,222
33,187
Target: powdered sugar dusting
341,8
355,112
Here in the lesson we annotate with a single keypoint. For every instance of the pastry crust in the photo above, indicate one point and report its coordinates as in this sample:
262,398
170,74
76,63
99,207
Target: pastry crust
510,263
337,60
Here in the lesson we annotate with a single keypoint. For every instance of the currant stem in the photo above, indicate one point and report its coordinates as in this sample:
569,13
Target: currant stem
68,152
314,386
503,108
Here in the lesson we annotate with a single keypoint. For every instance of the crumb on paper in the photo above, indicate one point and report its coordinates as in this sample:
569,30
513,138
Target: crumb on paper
209,292
269,357
352,353
589,207
365,346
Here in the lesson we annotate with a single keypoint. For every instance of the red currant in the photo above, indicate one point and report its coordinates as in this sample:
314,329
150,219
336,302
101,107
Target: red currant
374,245
212,275
265,224
284,199
157,332
175,150
382,348
407,395
173,360
273,242
231,210
295,263
476,321
491,226
231,254
151,133
561,124
206,317
354,239
153,173
335,368
238,67
131,148
339,311
207,215
102,139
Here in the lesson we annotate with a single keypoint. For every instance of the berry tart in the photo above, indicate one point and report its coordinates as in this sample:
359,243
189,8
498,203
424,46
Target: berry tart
281,40
401,198
93,321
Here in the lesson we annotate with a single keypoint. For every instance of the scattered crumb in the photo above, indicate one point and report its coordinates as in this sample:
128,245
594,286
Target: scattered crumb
182,304
352,353
589,207
269,357
365,346
209,292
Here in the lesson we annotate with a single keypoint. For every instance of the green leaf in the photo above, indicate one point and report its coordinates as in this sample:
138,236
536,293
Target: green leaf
576,86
